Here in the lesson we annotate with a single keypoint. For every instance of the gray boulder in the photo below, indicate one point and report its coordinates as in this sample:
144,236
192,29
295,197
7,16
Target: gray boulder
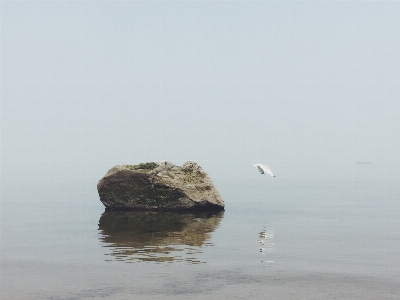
159,186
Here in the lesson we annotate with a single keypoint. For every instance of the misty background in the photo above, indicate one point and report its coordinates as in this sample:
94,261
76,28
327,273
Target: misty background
309,88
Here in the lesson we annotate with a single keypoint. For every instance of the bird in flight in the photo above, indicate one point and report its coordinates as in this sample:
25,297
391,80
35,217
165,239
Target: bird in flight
264,169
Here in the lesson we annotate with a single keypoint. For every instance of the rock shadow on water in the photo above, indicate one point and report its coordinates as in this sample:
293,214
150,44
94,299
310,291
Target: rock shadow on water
140,236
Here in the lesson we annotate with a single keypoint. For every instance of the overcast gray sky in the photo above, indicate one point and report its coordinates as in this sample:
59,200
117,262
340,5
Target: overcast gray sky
308,88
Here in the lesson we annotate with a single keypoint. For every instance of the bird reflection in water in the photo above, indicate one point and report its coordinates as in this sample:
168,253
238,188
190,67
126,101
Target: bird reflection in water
266,242
157,236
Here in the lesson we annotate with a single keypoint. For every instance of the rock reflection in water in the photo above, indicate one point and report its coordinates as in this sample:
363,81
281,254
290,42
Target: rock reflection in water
157,236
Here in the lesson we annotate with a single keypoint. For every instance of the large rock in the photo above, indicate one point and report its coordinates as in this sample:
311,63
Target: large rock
159,186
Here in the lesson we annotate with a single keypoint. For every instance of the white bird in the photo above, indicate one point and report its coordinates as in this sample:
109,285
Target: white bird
264,169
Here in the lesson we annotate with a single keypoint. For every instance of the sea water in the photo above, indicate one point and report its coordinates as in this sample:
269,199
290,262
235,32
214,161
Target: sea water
278,238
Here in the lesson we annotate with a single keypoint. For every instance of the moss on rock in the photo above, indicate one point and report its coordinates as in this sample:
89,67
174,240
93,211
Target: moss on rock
166,196
144,166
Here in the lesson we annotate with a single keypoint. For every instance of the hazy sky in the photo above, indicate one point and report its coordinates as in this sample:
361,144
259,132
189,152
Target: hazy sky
308,87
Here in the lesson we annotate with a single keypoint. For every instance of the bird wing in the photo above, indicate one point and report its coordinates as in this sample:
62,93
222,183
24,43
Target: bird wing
260,169
267,170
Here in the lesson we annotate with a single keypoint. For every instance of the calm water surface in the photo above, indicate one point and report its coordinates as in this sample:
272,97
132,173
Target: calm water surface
278,239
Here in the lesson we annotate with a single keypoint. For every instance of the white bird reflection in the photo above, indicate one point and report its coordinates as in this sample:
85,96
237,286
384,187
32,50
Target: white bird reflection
266,244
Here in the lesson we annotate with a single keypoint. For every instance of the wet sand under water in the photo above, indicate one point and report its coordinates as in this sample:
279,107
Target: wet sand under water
222,284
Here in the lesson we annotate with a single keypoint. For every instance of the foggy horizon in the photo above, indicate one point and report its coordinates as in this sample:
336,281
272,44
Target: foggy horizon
308,88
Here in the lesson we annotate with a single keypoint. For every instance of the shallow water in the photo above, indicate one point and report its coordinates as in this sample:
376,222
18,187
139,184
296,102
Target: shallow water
283,238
